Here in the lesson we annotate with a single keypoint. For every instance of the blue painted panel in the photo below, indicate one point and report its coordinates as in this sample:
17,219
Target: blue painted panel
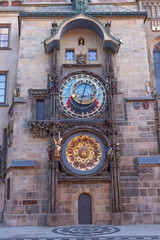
157,57
157,70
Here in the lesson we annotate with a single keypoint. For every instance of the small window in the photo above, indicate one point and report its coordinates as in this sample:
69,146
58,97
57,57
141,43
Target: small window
16,3
156,54
81,42
2,88
40,110
92,55
4,32
4,4
69,55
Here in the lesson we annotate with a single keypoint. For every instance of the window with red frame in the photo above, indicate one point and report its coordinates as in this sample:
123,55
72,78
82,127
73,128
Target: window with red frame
16,3
3,4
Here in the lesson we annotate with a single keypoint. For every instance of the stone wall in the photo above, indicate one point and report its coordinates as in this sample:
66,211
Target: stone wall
141,196
67,201
28,201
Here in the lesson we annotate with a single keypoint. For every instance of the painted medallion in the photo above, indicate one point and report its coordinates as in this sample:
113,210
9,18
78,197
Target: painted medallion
82,96
83,153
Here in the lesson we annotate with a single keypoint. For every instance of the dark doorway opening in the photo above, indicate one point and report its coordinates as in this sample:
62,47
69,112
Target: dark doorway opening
85,209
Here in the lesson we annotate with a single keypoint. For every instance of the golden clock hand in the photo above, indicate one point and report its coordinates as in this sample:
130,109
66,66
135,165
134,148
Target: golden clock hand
83,93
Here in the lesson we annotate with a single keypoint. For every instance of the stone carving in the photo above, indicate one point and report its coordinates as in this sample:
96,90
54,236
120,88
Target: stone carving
110,152
37,92
17,92
152,8
50,152
80,5
81,58
117,152
51,84
148,89
57,147
108,25
40,129
54,27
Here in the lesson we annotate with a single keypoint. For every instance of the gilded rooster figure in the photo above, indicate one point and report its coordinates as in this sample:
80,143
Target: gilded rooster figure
57,147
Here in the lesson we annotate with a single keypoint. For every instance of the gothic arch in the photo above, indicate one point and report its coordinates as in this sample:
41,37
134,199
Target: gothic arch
76,198
154,42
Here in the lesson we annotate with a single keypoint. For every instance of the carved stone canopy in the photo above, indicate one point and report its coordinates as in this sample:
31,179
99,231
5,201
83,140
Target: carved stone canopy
82,21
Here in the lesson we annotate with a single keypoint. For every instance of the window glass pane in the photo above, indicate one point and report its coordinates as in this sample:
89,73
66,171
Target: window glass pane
2,78
4,44
40,110
69,55
1,99
2,87
92,55
2,92
4,36
5,31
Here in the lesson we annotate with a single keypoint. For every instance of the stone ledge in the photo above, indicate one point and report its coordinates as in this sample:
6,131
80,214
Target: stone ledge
140,99
148,160
22,164
4,105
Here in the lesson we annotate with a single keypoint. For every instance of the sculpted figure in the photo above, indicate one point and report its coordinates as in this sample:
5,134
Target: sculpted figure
110,152
148,89
50,152
57,147
117,151
81,58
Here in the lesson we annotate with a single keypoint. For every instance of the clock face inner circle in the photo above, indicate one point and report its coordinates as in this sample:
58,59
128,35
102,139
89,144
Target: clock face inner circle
83,153
82,96
84,92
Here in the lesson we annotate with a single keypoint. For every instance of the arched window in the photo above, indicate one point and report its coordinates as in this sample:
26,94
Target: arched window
156,54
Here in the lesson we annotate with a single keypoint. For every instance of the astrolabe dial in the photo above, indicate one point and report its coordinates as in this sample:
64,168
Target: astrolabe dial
83,153
82,96
84,92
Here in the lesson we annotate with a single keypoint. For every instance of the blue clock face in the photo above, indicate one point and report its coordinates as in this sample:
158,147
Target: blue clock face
82,96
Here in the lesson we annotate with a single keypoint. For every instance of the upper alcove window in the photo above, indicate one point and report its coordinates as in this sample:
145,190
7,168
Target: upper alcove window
4,3
156,54
69,55
16,3
92,55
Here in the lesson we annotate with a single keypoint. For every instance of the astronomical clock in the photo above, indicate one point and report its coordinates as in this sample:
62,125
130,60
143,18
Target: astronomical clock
82,100
82,96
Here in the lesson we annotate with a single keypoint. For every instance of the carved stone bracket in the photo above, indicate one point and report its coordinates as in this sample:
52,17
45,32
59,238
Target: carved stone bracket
37,92
40,129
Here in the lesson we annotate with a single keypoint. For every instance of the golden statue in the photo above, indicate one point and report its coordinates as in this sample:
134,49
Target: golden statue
57,147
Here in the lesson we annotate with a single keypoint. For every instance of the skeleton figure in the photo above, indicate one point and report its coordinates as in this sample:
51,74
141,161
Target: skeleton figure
117,151
57,147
